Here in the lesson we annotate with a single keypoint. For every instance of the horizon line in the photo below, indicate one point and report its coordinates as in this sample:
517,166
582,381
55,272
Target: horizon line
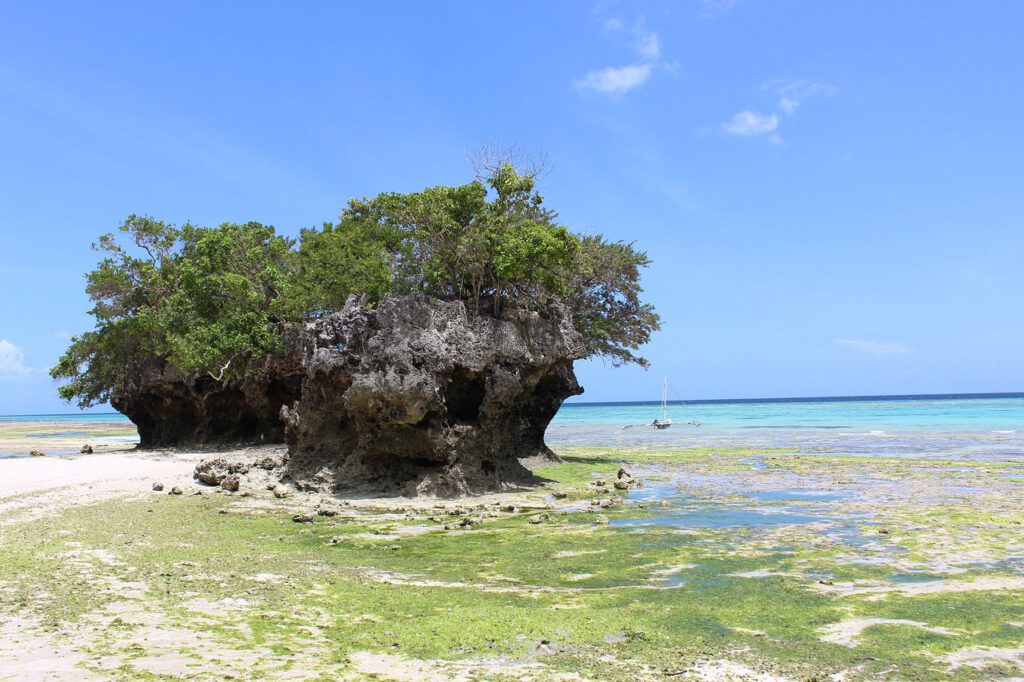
703,401
823,398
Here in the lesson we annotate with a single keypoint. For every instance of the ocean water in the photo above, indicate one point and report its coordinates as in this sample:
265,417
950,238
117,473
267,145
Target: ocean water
981,426
958,426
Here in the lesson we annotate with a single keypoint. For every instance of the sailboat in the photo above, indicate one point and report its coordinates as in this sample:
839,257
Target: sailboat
663,421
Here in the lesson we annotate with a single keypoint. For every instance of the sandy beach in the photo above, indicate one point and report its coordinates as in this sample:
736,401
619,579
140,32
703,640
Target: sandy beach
36,486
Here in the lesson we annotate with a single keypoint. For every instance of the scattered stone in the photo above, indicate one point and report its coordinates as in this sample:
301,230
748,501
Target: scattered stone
539,518
158,486
231,483
175,491
37,453
601,520
335,540
884,531
559,494
394,548
600,483
86,450
268,463
324,509
214,471
622,484
545,648
623,474
303,518
280,492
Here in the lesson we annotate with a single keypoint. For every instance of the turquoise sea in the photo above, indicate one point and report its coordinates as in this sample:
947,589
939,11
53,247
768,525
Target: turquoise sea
958,426
974,425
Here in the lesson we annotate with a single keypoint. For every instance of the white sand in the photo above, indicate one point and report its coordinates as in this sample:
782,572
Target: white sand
38,486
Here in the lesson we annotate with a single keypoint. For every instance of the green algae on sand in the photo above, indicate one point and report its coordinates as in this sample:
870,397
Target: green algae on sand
204,586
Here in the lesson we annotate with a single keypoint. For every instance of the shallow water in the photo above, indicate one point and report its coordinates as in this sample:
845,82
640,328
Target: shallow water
720,516
955,427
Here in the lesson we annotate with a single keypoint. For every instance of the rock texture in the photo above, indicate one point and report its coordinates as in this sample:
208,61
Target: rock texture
418,397
168,409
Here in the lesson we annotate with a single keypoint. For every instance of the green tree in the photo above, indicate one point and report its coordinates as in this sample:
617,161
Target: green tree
198,300
604,296
213,301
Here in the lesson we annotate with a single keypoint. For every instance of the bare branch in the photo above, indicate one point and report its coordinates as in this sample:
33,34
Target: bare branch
219,377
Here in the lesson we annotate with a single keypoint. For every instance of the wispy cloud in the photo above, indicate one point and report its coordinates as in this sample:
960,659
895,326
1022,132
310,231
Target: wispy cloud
710,8
615,81
12,361
790,94
648,44
751,124
873,347
794,93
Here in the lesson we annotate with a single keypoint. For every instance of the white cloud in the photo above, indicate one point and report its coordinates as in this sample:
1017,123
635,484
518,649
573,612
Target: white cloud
648,45
615,80
793,93
12,361
751,123
62,334
873,347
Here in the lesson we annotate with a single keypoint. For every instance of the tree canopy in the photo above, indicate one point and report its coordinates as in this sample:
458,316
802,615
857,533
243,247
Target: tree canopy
215,300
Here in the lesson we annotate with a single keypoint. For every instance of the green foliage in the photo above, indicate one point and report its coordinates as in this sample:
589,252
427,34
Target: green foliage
605,299
336,262
198,300
213,300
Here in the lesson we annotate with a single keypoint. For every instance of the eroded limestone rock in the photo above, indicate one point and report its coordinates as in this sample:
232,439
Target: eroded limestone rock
169,409
418,397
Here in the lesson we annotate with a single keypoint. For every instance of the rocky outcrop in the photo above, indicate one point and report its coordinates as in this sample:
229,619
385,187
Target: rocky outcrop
416,397
169,409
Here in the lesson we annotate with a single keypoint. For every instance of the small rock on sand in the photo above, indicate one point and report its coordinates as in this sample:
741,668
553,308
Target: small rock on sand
37,453
303,518
158,486
86,450
175,491
231,483
539,518
280,491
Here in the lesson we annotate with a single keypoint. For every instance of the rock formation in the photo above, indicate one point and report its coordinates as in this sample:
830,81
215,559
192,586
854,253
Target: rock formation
168,409
416,397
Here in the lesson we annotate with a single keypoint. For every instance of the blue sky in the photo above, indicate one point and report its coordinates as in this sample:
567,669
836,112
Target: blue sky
831,192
